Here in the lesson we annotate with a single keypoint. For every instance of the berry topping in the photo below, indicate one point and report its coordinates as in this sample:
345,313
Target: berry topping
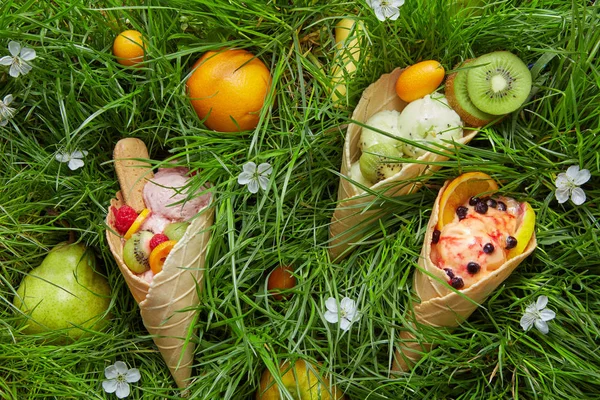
488,248
449,272
462,211
510,242
481,207
157,239
473,200
457,282
473,267
124,217
435,237
501,206
492,203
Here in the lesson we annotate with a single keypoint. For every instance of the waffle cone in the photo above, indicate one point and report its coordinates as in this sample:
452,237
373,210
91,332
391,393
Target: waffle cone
440,305
167,304
356,209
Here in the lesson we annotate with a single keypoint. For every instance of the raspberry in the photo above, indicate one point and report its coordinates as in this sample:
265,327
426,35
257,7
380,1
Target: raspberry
124,217
157,239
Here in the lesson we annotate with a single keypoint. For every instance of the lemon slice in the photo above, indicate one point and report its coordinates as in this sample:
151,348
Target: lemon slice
524,232
137,223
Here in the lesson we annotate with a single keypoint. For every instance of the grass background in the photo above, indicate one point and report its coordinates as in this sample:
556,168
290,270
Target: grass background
78,97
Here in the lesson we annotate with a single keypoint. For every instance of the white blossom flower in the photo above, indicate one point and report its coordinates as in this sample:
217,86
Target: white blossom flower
346,313
537,314
385,9
254,176
567,184
118,379
18,59
74,159
6,112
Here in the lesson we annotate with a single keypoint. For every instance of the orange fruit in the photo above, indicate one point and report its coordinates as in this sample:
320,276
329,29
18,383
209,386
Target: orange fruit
137,223
419,80
281,278
524,232
159,255
129,48
228,89
460,190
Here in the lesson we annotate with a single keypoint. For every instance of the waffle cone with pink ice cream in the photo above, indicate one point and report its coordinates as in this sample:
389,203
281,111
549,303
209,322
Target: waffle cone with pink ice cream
166,296
473,242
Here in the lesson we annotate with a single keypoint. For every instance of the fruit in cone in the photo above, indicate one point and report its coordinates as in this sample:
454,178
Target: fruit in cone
302,380
463,260
64,292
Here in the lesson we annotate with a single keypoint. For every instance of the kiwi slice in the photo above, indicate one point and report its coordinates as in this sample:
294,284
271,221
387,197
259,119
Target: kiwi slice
377,164
458,98
499,84
136,252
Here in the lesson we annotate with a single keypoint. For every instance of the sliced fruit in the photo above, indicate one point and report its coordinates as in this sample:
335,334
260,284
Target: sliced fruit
159,255
136,252
377,162
499,83
458,98
176,230
524,232
137,224
419,80
281,278
460,190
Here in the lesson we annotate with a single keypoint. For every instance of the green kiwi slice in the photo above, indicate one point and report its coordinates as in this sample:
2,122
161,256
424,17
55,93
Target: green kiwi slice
377,164
499,84
458,98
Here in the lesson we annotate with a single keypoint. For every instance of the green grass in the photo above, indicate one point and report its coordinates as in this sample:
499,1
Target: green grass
78,97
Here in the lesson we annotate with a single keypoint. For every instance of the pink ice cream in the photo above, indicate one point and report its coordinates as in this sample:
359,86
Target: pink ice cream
166,195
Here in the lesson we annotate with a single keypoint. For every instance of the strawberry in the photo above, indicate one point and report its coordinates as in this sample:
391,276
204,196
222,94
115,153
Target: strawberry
157,239
124,218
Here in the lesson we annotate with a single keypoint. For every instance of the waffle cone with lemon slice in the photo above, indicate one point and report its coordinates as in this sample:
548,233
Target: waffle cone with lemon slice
355,207
468,252
167,302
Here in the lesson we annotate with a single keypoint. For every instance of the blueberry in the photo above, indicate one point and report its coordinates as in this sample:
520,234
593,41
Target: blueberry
501,206
511,242
462,211
481,207
473,267
449,272
488,248
473,200
457,282
492,203
435,237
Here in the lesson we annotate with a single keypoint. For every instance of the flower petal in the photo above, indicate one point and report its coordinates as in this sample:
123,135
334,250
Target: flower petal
245,177
397,3
265,169
331,305
109,386
379,13
392,13
562,181
3,122
331,317
14,70
6,60
14,48
263,181
122,390
527,321
573,172
62,157
75,163
547,315
28,54
133,375
8,99
348,305
110,372
253,186
541,302
345,324
583,176
250,167
121,367
578,196
541,326
562,195
25,68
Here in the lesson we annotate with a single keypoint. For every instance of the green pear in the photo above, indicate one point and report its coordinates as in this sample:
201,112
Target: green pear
64,292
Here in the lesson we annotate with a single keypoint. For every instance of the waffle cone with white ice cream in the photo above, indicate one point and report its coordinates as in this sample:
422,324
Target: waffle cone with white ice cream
419,121
474,241
167,296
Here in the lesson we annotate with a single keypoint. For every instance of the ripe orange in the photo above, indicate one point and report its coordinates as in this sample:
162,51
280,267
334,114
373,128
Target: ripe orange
228,89
159,255
281,278
460,190
419,80
129,48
